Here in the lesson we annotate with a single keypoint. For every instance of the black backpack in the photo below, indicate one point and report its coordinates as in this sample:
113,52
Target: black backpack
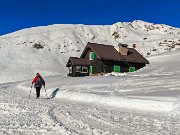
39,82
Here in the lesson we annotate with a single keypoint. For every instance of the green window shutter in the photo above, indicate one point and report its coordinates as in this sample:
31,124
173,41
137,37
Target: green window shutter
90,69
116,69
92,55
131,69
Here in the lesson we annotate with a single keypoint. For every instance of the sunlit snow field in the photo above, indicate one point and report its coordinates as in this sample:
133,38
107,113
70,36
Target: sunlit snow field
145,102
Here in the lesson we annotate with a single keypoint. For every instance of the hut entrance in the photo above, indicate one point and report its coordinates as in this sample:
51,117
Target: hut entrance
91,70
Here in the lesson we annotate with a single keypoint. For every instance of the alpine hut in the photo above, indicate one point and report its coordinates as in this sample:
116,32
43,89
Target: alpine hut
100,58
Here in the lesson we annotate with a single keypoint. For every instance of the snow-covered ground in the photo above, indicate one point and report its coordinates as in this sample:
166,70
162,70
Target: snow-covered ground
146,102
20,59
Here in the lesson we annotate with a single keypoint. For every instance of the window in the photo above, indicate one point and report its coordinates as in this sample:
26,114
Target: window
70,69
116,69
91,56
84,69
78,68
131,69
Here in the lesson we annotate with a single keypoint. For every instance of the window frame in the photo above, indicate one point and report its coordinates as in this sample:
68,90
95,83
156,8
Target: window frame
91,56
115,68
84,67
70,69
134,69
79,70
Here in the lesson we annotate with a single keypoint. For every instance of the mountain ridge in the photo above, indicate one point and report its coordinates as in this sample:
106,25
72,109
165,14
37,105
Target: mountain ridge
46,49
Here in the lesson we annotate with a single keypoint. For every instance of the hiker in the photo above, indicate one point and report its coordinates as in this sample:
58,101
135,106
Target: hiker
38,82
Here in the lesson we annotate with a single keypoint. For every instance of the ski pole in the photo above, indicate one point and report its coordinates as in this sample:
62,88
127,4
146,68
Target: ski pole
30,92
45,92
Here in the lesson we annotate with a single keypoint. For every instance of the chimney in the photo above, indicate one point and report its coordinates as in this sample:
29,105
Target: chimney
134,46
123,50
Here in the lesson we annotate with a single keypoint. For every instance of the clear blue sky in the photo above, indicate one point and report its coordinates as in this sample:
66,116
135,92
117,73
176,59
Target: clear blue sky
19,14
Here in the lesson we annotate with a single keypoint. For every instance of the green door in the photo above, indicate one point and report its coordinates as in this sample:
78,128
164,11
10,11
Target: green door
91,70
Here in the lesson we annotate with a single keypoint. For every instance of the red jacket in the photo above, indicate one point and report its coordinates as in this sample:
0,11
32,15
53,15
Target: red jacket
35,81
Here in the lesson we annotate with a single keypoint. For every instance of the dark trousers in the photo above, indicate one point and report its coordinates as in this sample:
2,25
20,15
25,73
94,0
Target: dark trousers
38,91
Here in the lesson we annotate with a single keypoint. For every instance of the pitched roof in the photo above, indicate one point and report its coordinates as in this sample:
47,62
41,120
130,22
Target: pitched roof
108,52
133,56
77,62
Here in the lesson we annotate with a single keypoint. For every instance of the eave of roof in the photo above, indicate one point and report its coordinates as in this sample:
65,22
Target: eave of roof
108,52
77,62
102,51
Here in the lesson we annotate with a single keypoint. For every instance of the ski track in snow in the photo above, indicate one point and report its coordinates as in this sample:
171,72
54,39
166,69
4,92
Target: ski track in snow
20,115
146,102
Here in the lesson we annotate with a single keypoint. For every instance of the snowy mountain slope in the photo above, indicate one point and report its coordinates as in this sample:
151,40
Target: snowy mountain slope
145,102
20,59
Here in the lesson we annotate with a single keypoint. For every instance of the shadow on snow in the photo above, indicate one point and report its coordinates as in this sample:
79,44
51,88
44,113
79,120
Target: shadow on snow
53,94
